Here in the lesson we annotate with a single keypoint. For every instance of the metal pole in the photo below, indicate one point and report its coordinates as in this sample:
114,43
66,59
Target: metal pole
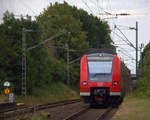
136,49
68,70
24,50
141,61
23,92
141,58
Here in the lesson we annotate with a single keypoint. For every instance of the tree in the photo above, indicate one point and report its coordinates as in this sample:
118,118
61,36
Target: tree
11,54
98,31
76,38
86,31
47,63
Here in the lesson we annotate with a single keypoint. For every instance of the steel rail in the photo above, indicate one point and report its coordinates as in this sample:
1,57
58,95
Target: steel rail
103,114
32,109
77,114
84,110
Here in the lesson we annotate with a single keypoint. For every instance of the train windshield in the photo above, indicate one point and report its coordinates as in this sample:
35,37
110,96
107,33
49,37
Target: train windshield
100,70
100,67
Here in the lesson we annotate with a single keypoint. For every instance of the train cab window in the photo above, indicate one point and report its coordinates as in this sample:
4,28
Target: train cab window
101,67
100,70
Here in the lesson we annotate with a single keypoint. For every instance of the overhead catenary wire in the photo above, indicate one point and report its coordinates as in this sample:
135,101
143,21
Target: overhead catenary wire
131,66
110,8
97,2
45,41
114,28
127,59
130,44
25,5
116,44
126,62
123,39
87,6
127,27
77,59
125,51
119,36
126,55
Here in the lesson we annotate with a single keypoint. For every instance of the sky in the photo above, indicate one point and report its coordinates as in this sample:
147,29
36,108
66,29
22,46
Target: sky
139,10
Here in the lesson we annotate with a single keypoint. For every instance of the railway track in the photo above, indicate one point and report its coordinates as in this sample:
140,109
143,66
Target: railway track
11,113
103,114
89,114
11,108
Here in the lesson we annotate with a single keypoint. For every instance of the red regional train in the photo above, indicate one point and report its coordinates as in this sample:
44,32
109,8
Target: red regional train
104,79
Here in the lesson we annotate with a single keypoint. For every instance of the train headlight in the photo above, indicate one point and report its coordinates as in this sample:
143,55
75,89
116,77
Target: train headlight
115,83
84,83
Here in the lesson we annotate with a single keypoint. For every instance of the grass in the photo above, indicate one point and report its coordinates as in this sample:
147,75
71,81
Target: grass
50,93
41,116
134,108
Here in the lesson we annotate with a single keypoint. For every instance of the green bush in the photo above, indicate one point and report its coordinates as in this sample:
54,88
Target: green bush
143,89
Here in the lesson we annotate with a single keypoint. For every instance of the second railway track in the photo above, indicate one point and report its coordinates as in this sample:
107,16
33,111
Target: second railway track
12,113
88,113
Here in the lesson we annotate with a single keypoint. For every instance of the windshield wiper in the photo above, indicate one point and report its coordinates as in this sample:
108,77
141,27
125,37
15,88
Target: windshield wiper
100,74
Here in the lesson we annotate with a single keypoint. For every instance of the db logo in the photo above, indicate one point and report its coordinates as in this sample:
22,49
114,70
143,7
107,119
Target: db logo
99,84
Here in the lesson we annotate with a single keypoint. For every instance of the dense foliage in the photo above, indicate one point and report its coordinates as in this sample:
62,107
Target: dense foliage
11,52
47,63
144,81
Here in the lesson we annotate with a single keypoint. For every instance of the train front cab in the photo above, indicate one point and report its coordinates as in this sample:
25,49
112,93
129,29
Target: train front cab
100,91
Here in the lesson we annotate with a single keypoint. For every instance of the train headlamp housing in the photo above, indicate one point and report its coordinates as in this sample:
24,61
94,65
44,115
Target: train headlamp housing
115,83
84,83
